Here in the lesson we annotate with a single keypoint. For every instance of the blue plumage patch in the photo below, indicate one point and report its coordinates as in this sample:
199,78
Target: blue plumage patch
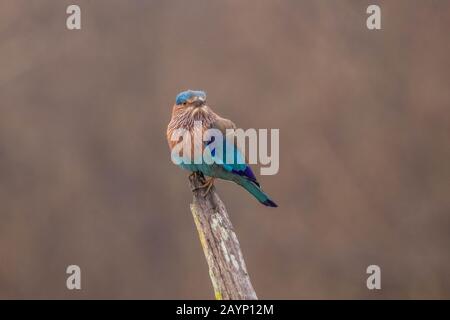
184,96
248,173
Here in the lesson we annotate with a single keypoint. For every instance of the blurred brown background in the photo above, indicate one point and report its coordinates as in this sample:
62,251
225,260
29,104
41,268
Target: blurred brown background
364,118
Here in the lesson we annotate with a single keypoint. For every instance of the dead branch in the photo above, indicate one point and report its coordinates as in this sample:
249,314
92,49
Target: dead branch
220,244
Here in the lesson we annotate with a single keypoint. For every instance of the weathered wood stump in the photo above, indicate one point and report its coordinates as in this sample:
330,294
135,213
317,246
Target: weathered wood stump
220,244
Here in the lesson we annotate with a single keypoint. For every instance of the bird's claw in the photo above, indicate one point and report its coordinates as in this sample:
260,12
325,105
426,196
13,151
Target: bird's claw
208,185
193,175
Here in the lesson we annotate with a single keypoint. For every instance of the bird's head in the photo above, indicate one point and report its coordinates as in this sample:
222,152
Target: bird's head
191,99
190,106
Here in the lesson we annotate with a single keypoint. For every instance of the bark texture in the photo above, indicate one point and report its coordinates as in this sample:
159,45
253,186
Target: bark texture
223,254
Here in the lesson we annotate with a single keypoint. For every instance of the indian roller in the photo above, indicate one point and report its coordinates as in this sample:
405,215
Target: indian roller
190,107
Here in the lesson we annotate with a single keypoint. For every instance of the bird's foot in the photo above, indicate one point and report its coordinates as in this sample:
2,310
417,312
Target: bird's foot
194,175
208,185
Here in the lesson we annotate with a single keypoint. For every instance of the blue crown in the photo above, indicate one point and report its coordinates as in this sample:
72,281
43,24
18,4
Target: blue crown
184,96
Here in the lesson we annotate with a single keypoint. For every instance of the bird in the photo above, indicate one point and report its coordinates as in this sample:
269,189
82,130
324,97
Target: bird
191,106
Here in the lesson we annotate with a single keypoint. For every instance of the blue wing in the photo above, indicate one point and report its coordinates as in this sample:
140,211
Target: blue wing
220,157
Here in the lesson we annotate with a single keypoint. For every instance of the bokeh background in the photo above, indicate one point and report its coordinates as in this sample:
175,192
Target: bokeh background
364,119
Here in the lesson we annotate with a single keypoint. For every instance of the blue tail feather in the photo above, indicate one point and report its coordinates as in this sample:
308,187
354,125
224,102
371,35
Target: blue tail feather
256,191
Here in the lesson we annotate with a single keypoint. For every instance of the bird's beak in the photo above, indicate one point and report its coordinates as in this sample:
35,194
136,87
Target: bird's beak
198,101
